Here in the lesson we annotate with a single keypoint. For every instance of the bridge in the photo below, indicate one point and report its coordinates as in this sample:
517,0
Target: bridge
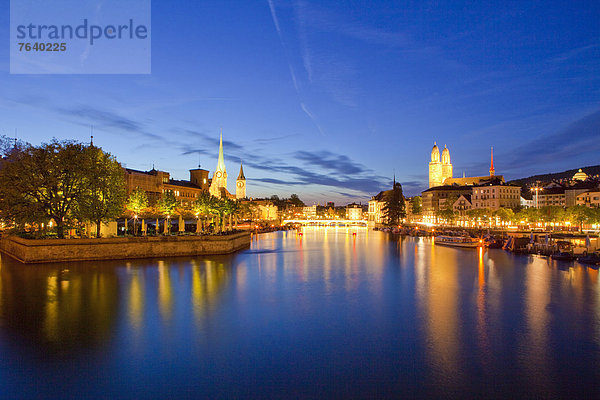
326,222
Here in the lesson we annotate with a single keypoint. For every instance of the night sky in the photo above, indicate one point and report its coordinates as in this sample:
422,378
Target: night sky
326,99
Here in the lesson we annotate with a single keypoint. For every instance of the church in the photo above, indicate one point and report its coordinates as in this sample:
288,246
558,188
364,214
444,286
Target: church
218,184
440,172
155,182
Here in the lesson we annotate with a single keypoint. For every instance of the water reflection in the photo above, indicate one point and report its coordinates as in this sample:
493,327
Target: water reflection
59,306
354,312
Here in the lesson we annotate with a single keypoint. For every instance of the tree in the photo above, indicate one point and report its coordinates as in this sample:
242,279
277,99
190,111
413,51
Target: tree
104,194
394,208
295,200
45,182
416,205
137,202
505,214
580,215
167,204
204,207
229,208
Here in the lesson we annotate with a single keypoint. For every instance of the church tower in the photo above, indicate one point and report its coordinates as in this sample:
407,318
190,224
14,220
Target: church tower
492,171
240,185
446,165
219,179
435,167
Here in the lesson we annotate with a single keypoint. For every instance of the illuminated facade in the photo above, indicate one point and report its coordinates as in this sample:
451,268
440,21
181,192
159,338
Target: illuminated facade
240,185
439,170
219,179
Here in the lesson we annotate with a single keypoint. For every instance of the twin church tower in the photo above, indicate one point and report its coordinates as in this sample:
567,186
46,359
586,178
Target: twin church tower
218,185
440,172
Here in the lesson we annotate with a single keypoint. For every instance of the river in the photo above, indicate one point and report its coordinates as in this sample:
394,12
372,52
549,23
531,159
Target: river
334,312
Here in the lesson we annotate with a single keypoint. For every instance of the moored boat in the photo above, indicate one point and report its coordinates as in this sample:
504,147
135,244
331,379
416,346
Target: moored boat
458,241
563,256
592,259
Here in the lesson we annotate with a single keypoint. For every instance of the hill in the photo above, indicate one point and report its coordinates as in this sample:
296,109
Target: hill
546,178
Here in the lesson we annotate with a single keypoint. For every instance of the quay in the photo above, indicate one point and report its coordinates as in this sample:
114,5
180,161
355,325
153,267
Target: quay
61,250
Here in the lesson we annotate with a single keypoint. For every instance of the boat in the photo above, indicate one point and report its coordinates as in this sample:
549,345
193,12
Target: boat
563,256
592,258
458,241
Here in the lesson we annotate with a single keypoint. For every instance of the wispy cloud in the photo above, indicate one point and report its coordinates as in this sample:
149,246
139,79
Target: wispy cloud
312,118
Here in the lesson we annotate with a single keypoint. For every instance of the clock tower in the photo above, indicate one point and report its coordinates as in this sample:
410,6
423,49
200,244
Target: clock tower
219,179
240,185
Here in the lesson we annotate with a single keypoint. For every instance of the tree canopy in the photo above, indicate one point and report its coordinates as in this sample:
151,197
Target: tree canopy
60,181
394,208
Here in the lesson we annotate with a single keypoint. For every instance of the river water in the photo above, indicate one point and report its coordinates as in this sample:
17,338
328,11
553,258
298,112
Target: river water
334,312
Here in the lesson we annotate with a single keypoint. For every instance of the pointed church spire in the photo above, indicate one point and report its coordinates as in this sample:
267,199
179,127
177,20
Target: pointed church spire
221,162
241,176
492,163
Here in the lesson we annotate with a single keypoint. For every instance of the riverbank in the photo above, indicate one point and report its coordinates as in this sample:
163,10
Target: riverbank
60,250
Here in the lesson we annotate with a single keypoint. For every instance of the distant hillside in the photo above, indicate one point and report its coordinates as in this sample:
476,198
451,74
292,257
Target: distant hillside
545,178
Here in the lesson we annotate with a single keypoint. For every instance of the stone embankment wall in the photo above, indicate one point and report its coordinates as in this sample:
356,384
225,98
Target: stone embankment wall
56,250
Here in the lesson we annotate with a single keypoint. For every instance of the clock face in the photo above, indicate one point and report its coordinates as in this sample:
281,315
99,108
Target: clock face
224,174
218,174
240,184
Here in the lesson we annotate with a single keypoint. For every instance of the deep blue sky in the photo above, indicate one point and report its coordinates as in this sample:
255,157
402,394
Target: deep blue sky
326,99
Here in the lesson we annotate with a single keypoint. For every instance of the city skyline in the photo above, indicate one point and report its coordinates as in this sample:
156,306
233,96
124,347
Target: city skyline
326,101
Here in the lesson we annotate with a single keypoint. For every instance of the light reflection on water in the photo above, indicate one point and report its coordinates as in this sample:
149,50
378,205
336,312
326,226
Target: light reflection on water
341,312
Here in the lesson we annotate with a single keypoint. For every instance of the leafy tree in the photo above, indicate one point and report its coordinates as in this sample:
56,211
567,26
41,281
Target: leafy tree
137,202
167,204
104,192
505,214
229,208
416,204
204,207
295,200
580,215
394,208
45,182
447,214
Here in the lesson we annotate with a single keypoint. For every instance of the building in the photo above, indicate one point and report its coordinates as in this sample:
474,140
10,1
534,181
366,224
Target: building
376,204
526,203
376,213
155,182
589,199
494,195
551,196
580,176
309,212
240,184
440,172
354,212
435,198
462,204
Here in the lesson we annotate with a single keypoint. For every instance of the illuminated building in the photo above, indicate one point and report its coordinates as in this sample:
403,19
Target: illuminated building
495,195
354,212
439,171
580,176
218,184
240,185
155,182
589,199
